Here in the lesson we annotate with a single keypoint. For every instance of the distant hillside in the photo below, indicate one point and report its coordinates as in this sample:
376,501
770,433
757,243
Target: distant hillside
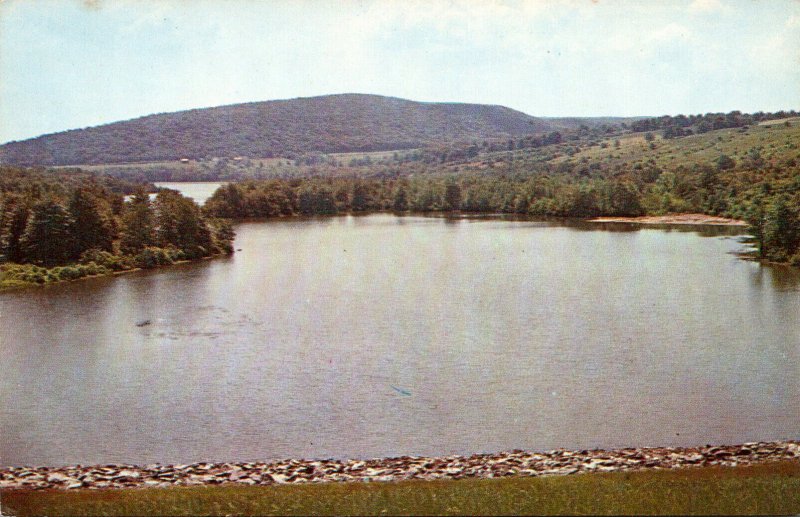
328,124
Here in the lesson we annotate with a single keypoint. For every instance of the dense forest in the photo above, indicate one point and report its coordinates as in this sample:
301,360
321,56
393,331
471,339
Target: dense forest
17,179
520,194
65,226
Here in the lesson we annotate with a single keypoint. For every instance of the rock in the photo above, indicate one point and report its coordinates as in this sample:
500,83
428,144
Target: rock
57,477
279,478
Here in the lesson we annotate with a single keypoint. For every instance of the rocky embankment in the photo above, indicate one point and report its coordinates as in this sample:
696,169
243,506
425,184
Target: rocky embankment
515,463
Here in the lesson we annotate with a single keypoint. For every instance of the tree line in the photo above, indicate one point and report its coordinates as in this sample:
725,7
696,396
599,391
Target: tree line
768,198
683,125
542,196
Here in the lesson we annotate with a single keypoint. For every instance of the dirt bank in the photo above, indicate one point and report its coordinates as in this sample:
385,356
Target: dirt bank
672,219
515,463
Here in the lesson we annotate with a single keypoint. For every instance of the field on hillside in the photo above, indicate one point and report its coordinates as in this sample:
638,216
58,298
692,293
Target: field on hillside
776,143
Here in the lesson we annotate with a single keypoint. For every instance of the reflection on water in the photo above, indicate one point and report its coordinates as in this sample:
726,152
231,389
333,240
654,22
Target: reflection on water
381,335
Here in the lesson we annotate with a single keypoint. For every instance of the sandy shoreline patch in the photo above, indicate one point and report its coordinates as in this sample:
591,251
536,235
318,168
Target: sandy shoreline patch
514,463
673,219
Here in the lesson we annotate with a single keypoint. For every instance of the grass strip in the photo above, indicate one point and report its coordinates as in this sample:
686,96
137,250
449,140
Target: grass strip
772,488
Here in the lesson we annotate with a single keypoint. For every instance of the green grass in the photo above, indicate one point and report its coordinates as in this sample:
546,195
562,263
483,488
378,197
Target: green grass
761,489
700,149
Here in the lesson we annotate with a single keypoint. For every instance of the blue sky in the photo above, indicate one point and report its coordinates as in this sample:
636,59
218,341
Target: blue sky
67,63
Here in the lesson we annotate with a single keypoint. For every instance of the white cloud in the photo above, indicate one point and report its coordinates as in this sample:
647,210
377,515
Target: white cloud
705,6
672,32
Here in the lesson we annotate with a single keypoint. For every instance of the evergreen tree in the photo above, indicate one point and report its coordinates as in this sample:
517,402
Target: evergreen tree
137,224
180,223
400,201
756,218
452,196
47,239
13,221
91,228
782,230
316,200
360,200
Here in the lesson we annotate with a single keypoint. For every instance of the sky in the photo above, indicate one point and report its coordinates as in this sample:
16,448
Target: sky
68,64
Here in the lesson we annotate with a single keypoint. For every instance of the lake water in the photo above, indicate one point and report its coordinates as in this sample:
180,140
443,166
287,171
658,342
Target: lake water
381,336
200,191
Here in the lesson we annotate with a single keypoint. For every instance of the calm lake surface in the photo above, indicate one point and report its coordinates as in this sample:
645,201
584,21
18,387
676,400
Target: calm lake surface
200,191
382,336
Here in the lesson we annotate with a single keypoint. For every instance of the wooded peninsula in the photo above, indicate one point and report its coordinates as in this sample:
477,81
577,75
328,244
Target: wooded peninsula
70,225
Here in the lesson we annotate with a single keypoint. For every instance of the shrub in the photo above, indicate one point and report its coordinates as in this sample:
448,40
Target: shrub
20,275
193,252
106,260
68,273
151,257
94,269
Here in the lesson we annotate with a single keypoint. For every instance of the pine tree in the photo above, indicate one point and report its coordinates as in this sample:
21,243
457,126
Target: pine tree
137,224
452,196
782,230
13,220
360,199
91,228
47,238
400,202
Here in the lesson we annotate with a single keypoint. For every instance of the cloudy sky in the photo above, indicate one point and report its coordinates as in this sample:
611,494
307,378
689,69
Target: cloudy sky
68,63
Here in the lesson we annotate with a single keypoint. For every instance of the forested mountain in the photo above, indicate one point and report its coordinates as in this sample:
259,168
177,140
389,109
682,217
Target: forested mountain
285,128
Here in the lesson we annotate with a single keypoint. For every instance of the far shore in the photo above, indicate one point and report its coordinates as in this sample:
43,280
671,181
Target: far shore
673,219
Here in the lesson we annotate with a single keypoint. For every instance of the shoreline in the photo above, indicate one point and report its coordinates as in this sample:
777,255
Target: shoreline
688,219
110,273
516,463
